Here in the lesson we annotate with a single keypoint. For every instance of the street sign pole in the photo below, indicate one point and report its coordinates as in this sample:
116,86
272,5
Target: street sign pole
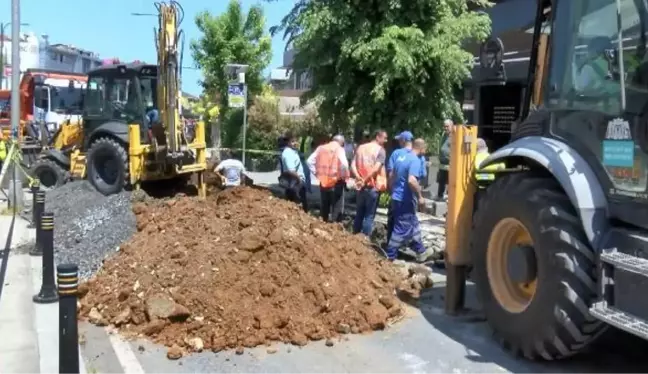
244,119
237,94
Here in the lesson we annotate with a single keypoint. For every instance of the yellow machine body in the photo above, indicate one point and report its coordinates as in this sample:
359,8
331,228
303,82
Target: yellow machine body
461,190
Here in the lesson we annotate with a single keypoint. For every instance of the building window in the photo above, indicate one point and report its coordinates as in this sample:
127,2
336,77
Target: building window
85,65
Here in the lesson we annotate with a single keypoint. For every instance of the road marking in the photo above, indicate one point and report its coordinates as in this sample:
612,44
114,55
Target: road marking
124,353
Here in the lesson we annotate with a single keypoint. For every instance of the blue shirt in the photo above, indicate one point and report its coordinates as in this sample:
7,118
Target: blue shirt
405,164
423,173
390,163
290,161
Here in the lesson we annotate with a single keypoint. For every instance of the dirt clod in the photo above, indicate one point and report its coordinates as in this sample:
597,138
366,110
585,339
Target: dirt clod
238,270
174,353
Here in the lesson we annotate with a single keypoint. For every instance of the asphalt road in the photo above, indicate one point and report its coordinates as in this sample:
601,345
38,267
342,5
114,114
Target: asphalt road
426,341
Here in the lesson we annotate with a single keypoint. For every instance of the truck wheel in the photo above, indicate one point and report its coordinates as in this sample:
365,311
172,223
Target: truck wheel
49,173
107,165
534,268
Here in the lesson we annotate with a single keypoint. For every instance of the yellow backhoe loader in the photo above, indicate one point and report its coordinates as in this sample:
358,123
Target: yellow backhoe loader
558,242
132,130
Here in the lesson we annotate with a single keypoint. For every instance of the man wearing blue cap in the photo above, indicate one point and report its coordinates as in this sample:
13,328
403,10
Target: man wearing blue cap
406,195
405,139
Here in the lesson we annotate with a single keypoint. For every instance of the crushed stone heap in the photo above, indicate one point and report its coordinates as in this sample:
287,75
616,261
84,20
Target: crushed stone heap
240,269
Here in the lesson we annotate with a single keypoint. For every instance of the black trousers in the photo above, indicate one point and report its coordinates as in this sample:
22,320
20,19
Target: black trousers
442,180
297,195
332,200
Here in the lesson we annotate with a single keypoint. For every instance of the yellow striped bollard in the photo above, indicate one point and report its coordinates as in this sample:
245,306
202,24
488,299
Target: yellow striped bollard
47,292
68,287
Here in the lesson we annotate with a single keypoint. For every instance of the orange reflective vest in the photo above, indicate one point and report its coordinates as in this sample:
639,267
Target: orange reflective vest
328,167
365,160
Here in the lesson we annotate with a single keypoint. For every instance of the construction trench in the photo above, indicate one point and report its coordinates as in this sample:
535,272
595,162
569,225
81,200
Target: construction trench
236,270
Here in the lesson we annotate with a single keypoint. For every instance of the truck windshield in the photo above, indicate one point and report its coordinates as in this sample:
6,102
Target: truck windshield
599,56
5,106
67,100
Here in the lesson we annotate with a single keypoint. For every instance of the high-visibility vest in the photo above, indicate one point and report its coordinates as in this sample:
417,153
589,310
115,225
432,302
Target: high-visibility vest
365,159
328,166
3,150
479,158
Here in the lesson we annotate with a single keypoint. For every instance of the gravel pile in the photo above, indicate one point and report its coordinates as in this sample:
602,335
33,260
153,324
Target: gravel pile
88,225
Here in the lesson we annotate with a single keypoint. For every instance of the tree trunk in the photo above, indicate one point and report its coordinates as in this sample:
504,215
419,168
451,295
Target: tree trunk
215,126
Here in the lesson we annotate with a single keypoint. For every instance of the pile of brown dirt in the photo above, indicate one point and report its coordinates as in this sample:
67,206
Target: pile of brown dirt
240,269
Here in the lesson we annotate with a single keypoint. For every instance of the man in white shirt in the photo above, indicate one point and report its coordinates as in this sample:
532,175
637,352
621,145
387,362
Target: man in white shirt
232,170
292,177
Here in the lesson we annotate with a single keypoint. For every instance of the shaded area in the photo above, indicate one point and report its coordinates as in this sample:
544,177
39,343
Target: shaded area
4,254
615,351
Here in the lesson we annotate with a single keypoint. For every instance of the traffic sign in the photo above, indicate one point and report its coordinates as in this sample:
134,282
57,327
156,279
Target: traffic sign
236,96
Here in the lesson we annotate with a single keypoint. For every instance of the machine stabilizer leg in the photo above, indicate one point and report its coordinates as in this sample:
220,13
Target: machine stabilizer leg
202,188
455,296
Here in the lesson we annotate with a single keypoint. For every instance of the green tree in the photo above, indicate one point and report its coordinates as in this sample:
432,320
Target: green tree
385,63
232,37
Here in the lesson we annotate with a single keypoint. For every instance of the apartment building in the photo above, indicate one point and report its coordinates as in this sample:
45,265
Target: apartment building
37,53
65,57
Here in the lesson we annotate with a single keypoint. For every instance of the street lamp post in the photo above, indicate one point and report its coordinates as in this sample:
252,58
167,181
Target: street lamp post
2,53
15,82
236,74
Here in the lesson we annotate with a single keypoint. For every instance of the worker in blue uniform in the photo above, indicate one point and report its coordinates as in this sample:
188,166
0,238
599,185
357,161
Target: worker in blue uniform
406,195
405,139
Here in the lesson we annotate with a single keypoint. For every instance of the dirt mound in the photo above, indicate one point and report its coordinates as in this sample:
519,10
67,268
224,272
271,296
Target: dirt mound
240,269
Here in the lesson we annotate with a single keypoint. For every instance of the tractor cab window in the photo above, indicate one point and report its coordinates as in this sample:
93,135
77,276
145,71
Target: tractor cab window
123,99
148,86
598,89
94,99
597,54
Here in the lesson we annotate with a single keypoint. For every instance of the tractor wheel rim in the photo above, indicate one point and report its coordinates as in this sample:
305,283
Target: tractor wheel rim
106,168
514,297
47,178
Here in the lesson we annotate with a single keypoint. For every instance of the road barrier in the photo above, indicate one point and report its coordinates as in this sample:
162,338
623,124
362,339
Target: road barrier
38,209
68,286
35,187
47,292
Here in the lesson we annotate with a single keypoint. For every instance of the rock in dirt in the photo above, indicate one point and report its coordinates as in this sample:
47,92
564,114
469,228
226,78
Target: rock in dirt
251,268
174,352
89,225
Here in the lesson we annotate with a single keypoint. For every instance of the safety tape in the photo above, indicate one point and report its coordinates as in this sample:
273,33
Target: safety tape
16,159
257,151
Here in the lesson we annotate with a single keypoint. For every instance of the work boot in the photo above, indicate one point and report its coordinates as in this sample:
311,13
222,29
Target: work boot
425,256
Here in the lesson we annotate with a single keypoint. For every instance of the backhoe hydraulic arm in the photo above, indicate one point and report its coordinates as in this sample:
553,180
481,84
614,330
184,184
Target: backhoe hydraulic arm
168,33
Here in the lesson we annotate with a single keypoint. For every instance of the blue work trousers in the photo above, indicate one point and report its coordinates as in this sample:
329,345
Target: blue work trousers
406,229
366,205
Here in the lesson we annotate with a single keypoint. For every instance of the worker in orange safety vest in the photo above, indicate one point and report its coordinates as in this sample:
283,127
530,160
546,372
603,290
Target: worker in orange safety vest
368,169
331,167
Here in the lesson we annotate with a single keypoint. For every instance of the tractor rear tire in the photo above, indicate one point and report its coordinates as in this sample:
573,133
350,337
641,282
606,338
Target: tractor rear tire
49,173
554,320
107,166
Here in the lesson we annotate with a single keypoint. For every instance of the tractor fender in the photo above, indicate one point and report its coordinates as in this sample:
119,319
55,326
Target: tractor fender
118,130
58,156
572,172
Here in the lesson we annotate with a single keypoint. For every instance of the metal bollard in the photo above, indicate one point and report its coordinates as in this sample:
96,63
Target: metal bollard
47,292
39,208
68,285
35,187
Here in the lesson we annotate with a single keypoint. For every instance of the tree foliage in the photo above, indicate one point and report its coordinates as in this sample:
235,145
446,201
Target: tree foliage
232,37
205,107
385,63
